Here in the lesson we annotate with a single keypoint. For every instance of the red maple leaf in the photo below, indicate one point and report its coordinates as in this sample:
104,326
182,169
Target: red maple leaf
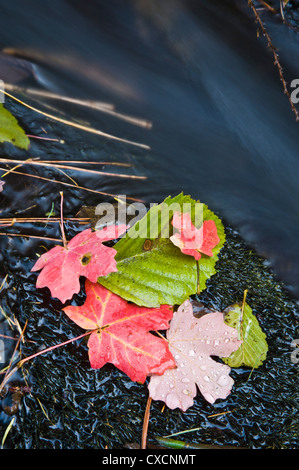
85,255
121,335
193,241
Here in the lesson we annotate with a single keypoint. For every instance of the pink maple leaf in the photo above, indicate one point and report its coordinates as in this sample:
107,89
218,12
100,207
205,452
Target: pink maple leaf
192,341
85,255
122,333
193,241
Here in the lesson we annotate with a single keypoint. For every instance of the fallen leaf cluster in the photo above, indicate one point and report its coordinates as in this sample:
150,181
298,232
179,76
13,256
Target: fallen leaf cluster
127,326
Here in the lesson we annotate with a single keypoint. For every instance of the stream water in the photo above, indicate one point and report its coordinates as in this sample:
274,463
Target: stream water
222,131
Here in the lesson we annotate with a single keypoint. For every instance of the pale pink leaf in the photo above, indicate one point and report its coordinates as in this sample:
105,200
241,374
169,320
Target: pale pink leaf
192,341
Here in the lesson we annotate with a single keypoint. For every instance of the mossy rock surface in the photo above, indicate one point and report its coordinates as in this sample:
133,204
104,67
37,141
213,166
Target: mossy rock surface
72,406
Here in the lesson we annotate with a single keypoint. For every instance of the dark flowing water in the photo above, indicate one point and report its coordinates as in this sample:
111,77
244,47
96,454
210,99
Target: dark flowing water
223,131
222,128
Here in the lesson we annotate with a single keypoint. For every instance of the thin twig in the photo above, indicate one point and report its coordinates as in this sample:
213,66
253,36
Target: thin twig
276,58
71,185
266,5
44,138
29,236
15,339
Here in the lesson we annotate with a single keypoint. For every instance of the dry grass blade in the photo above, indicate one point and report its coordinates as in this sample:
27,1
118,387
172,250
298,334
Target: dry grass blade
29,236
3,282
11,372
69,184
61,221
14,339
76,125
7,377
42,408
23,220
65,167
8,373
78,162
48,94
7,430
97,105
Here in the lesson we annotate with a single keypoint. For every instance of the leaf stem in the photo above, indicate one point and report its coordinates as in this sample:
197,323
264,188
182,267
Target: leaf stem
43,351
61,221
197,289
242,314
145,423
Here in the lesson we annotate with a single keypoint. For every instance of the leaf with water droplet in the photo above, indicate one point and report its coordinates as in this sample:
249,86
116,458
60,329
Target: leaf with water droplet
121,333
192,341
151,270
253,350
191,240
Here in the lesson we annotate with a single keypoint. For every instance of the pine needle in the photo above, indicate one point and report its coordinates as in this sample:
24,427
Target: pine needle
69,184
3,282
65,167
23,220
145,423
43,409
7,430
97,105
76,125
29,236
